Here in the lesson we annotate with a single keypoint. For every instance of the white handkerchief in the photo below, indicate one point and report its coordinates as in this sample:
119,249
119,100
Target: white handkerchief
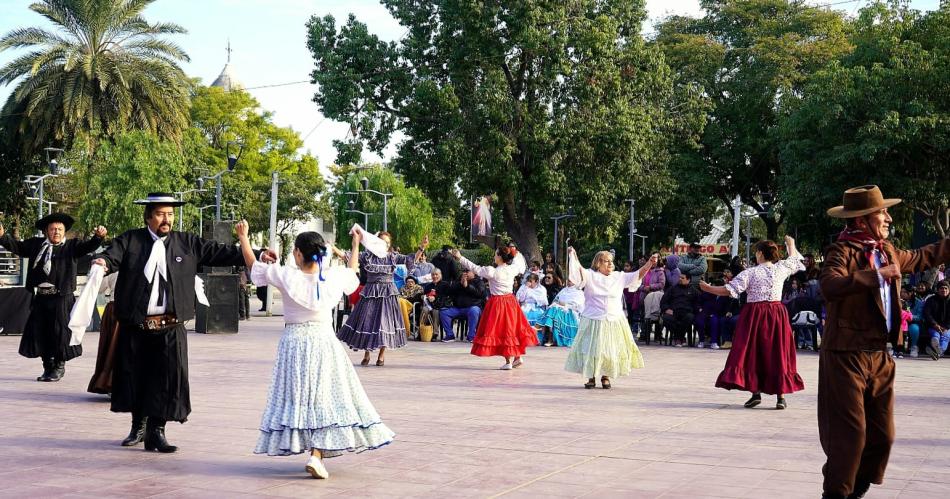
81,314
372,243
200,292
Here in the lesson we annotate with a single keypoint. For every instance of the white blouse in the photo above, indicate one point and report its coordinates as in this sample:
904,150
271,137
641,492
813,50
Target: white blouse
306,298
537,296
501,279
603,294
570,298
764,281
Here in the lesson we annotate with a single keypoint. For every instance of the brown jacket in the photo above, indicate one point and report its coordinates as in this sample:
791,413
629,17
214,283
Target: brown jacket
855,313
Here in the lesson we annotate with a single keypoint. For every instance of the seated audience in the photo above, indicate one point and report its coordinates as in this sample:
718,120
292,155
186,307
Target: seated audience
533,298
438,296
937,318
560,319
468,298
678,305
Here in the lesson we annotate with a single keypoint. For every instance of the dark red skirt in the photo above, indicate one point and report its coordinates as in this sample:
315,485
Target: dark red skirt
503,329
762,358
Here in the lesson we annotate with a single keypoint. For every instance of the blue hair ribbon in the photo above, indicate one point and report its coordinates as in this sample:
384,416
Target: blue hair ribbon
318,257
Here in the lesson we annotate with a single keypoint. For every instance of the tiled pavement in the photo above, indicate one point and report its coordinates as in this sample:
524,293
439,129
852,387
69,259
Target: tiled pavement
464,429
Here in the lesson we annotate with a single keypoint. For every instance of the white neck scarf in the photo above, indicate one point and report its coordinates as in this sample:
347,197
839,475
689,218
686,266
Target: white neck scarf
45,254
156,267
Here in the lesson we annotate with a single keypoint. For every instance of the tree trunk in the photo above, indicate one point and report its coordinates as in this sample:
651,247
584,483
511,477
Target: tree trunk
521,226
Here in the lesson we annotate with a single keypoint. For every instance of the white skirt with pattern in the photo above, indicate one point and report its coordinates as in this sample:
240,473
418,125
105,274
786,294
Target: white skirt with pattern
316,400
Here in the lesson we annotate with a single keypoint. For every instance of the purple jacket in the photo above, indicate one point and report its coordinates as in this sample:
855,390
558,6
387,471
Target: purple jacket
672,276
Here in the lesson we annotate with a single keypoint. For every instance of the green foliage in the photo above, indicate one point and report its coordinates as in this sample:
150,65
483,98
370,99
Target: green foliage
749,56
222,120
878,115
411,215
128,168
545,104
104,70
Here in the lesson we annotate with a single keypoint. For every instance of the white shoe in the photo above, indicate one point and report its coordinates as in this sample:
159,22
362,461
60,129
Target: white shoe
316,469
517,363
506,367
701,345
714,346
914,352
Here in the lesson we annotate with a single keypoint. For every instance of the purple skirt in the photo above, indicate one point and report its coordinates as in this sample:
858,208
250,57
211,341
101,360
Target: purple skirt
376,321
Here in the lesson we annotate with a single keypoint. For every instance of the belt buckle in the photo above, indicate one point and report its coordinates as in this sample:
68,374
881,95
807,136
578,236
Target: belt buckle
151,324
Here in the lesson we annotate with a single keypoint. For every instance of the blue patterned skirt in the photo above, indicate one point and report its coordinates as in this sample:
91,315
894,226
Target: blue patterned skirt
376,320
316,400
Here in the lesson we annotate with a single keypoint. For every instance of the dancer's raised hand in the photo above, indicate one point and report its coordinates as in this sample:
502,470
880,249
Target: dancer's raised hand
242,228
100,232
1,230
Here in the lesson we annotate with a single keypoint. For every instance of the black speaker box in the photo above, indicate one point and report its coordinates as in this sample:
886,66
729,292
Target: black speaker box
222,315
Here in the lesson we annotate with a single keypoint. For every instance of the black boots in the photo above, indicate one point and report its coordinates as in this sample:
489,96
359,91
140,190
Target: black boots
47,370
155,437
59,370
53,370
137,433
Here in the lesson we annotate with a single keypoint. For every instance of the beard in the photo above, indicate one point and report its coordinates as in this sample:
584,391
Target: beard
164,229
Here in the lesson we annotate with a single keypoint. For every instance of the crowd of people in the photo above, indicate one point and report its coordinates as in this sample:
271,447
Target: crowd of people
854,306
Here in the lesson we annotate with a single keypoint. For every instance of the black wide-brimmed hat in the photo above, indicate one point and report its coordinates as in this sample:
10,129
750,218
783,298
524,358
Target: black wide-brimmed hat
162,198
62,218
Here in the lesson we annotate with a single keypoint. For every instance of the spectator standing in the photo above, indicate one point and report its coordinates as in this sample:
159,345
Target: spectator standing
693,265
672,271
423,270
447,264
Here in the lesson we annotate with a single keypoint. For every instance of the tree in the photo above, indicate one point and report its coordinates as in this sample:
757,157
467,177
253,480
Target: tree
411,215
220,117
750,57
545,104
880,114
125,169
104,70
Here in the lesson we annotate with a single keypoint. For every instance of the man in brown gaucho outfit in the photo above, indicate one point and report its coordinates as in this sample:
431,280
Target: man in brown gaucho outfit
861,282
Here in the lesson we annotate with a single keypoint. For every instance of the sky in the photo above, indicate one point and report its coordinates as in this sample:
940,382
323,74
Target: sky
268,40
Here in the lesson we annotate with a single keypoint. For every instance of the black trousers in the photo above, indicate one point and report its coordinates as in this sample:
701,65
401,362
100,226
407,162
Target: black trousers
151,373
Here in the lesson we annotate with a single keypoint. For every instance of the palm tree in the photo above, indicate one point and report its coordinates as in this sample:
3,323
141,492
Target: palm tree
104,70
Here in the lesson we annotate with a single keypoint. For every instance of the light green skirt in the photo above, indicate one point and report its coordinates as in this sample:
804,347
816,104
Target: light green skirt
603,348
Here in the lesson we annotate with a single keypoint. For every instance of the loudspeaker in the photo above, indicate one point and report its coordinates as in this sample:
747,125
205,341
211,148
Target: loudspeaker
222,315
222,233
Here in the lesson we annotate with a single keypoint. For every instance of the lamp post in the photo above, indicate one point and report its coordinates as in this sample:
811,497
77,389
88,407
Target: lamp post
632,227
48,204
232,163
558,218
364,184
351,208
36,182
643,245
200,183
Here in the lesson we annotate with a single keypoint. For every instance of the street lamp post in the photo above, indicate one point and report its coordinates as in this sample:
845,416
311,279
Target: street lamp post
364,184
232,163
351,208
643,244
632,227
181,194
558,218
36,182
43,202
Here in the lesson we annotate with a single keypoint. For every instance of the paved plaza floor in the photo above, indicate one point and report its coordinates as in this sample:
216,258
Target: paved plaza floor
464,429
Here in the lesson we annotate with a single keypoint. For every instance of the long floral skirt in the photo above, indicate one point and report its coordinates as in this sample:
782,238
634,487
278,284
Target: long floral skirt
316,400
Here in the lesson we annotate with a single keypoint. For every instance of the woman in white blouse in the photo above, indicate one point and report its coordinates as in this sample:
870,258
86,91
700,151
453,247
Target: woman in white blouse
316,403
762,357
604,344
502,328
533,298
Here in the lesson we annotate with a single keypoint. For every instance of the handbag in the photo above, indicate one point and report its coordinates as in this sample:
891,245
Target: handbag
425,327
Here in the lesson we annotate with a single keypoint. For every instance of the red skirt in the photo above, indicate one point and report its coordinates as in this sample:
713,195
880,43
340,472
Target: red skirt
503,329
762,358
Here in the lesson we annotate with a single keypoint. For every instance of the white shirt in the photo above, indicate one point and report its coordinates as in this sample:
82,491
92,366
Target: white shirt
537,297
570,298
603,294
501,279
302,303
885,290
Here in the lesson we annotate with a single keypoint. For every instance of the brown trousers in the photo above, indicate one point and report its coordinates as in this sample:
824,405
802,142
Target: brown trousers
855,417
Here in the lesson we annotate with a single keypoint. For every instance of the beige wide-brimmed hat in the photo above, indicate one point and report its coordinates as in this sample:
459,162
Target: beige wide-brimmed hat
860,201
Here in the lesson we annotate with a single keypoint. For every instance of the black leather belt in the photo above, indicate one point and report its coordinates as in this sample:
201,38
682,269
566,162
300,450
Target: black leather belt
158,322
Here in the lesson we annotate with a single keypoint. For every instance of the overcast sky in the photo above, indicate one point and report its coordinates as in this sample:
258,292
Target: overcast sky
268,38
